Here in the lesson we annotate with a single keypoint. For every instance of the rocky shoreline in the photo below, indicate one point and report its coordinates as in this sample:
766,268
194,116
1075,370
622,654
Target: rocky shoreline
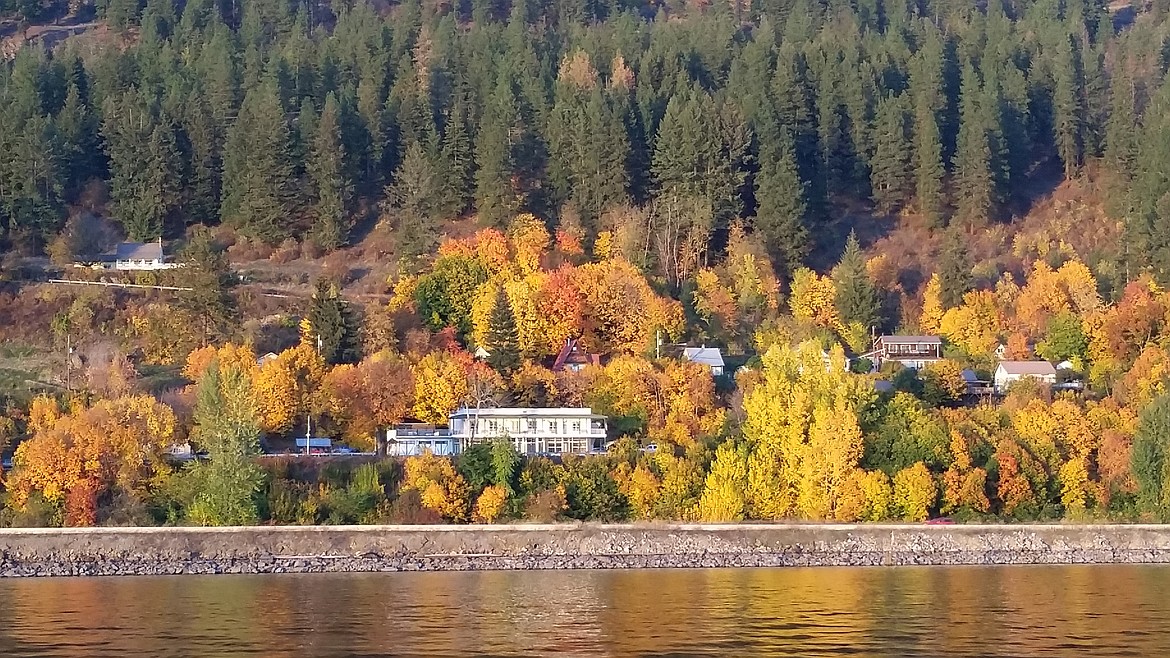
174,551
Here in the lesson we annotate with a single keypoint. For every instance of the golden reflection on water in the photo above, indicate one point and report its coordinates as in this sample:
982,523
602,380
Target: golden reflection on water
929,611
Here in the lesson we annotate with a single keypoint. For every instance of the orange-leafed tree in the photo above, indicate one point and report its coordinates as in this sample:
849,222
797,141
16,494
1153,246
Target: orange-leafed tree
116,443
286,389
440,385
229,355
368,397
441,489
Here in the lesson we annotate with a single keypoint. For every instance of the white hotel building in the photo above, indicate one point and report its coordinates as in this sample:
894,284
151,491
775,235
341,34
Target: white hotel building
555,431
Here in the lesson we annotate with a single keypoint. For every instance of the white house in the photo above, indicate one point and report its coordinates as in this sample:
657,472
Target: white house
1009,372
139,256
707,356
415,438
911,351
553,431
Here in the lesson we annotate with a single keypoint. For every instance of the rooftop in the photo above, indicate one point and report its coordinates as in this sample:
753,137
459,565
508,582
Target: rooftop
708,356
911,339
526,412
139,251
1027,368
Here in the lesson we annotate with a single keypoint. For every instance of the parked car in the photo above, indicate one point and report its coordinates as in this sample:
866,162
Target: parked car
942,520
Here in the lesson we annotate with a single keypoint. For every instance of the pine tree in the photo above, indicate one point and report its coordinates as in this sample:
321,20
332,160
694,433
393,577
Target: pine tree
456,179
1067,120
259,192
696,150
144,165
412,197
954,270
589,149
205,162
496,197
794,108
78,129
333,324
857,299
927,89
1121,136
371,107
502,343
891,173
972,163
333,188
208,302
781,211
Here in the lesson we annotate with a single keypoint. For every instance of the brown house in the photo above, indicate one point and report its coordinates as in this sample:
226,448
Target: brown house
574,357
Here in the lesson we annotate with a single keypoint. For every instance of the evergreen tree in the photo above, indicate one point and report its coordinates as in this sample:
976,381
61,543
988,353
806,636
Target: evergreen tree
204,144
794,108
891,173
209,302
954,270
496,197
1149,225
31,179
1121,146
1150,459
456,179
926,87
973,184
412,196
226,427
857,299
331,183
78,130
781,211
589,149
693,153
333,324
502,342
144,163
371,109
1067,120
259,191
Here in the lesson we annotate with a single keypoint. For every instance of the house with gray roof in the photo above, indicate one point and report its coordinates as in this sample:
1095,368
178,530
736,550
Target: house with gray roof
711,357
141,256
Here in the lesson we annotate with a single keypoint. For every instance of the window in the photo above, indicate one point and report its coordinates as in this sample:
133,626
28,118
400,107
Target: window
493,426
576,427
532,427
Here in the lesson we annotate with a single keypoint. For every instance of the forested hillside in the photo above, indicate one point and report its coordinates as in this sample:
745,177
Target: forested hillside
312,120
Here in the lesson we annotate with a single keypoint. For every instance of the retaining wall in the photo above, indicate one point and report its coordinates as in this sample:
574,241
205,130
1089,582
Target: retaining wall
150,551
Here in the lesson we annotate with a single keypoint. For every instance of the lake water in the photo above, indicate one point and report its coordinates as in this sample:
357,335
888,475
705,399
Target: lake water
928,611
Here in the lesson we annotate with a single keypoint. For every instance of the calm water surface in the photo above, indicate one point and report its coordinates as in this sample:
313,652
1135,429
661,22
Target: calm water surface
961,611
